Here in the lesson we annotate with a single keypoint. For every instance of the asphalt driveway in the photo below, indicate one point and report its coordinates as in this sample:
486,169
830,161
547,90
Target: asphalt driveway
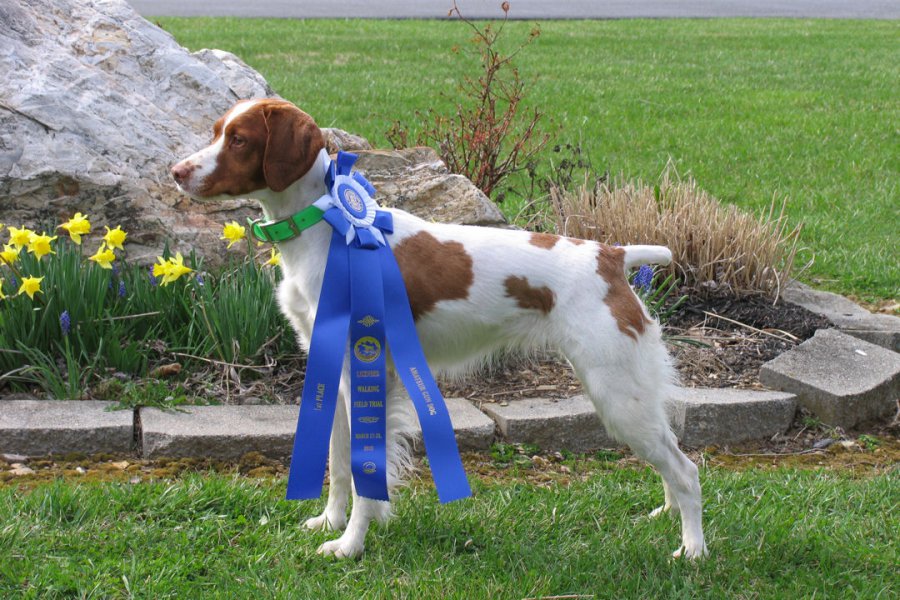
525,9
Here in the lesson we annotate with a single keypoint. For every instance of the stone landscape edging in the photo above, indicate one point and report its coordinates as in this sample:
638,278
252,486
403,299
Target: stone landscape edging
846,315
227,432
699,416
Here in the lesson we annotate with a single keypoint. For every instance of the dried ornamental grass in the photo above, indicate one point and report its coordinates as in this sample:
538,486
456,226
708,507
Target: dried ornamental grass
714,246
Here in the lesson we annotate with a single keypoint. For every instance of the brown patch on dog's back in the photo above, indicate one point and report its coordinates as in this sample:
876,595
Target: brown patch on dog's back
623,304
541,298
543,240
548,241
433,271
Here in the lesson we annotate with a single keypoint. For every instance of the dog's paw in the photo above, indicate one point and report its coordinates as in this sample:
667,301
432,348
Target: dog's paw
327,522
692,551
343,547
665,508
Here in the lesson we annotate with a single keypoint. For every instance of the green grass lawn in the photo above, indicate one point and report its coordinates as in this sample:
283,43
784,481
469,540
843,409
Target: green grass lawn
786,533
753,109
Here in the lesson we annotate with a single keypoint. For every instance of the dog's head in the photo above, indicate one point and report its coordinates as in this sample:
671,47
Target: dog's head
257,145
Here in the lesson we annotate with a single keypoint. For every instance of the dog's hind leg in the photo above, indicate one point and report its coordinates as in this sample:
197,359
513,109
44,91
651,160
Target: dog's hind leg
680,479
335,514
628,393
670,504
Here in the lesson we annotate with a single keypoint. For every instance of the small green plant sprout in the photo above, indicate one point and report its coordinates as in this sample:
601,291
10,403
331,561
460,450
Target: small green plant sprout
868,442
811,422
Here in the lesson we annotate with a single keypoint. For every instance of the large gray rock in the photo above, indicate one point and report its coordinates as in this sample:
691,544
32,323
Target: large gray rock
41,427
417,181
338,139
98,103
843,380
846,315
568,424
704,416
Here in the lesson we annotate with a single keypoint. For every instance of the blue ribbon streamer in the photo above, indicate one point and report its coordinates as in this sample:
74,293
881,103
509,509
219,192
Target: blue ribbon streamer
363,292
367,376
323,374
409,360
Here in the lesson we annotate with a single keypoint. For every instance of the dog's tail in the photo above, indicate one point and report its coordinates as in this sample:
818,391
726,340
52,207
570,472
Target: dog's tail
646,255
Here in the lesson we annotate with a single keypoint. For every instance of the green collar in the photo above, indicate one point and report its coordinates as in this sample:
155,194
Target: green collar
287,228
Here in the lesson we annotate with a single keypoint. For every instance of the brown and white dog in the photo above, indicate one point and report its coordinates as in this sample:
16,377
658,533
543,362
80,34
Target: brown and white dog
474,292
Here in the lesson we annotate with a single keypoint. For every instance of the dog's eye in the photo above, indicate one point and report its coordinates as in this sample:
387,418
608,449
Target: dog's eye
238,141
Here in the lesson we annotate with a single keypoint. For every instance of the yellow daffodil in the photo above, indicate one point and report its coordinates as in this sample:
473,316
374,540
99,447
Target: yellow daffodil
274,260
177,267
233,233
161,268
10,254
20,238
31,286
2,295
115,238
104,256
170,270
77,226
39,245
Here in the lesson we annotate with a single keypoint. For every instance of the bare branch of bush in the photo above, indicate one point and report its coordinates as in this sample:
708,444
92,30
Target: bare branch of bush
716,247
488,138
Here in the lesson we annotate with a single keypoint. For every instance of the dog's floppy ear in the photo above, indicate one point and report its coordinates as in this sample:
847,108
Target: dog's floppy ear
293,142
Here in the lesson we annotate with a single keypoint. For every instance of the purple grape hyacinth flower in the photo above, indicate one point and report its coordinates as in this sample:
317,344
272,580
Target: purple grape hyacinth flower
643,279
122,289
65,322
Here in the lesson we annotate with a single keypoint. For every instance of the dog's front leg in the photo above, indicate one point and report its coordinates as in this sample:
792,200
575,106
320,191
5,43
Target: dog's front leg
352,543
335,513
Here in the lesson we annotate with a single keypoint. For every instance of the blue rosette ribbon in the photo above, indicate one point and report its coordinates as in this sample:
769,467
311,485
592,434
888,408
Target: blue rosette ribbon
363,294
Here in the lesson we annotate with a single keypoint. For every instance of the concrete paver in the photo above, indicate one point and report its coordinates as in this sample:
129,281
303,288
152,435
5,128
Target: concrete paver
41,427
843,380
566,424
706,416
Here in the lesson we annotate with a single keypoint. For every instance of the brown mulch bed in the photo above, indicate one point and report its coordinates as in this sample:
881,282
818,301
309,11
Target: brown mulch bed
739,335
717,342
